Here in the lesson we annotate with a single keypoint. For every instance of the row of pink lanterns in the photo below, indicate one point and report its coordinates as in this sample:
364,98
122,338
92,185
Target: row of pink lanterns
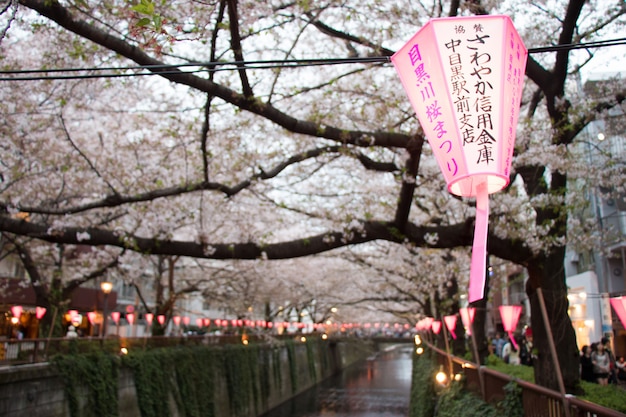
508,313
17,311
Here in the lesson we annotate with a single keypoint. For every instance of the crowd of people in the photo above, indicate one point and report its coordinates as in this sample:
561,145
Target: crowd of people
598,364
518,351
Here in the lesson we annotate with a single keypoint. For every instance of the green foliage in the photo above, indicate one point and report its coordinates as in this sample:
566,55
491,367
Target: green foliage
423,396
239,364
310,355
523,372
454,402
609,396
153,372
97,374
293,371
512,405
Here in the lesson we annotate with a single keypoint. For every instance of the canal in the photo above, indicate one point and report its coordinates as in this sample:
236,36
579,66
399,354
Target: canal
377,387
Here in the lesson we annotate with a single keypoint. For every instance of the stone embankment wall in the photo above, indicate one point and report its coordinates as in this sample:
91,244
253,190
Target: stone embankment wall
237,381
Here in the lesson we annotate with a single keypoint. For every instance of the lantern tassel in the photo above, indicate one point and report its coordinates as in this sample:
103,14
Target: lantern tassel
512,339
478,269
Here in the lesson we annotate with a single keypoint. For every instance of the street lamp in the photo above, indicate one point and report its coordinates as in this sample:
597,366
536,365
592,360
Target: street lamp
106,288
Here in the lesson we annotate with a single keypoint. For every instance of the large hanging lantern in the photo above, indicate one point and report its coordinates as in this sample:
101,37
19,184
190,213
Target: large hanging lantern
464,77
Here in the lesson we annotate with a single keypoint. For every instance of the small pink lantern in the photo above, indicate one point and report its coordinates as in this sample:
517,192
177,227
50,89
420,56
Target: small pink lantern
428,323
186,320
450,324
436,326
510,317
199,322
161,319
467,317
207,322
40,312
176,320
464,77
116,317
16,311
91,316
619,305
149,317
130,318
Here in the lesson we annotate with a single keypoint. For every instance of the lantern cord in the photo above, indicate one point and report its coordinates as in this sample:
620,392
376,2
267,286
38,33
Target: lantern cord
210,67
478,268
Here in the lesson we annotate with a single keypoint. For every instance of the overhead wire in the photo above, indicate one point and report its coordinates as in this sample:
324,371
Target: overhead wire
210,67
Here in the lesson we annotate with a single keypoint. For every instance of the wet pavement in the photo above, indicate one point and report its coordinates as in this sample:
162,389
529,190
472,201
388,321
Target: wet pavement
379,387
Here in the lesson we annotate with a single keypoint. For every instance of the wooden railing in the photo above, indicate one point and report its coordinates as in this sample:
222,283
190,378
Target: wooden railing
537,400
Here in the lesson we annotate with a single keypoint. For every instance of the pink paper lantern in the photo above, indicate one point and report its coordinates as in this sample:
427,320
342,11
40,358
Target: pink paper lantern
16,311
436,326
161,319
130,318
510,317
467,317
464,77
116,317
451,324
207,322
619,305
270,324
149,317
186,320
91,316
428,323
199,322
40,312
176,320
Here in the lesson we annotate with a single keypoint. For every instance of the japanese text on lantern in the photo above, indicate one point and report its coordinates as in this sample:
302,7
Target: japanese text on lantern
433,111
471,85
514,74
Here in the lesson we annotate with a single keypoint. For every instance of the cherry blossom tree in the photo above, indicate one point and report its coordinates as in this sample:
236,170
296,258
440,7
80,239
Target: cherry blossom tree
234,149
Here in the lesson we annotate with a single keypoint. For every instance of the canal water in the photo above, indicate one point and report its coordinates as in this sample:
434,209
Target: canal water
378,387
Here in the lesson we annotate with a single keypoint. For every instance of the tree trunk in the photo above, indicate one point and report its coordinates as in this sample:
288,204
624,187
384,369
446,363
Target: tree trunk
546,272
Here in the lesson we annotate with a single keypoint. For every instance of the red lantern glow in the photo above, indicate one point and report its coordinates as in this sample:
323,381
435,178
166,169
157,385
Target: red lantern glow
116,317
186,320
176,320
130,318
161,319
510,317
91,316
451,324
467,318
436,326
40,312
16,311
149,317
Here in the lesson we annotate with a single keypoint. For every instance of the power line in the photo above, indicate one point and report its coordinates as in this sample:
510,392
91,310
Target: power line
211,67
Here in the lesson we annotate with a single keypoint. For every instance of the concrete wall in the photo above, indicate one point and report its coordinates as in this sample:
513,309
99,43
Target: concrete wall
36,390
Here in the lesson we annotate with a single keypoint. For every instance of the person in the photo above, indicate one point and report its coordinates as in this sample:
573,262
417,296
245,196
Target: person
586,366
601,364
620,365
71,332
526,348
498,343
511,352
612,369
